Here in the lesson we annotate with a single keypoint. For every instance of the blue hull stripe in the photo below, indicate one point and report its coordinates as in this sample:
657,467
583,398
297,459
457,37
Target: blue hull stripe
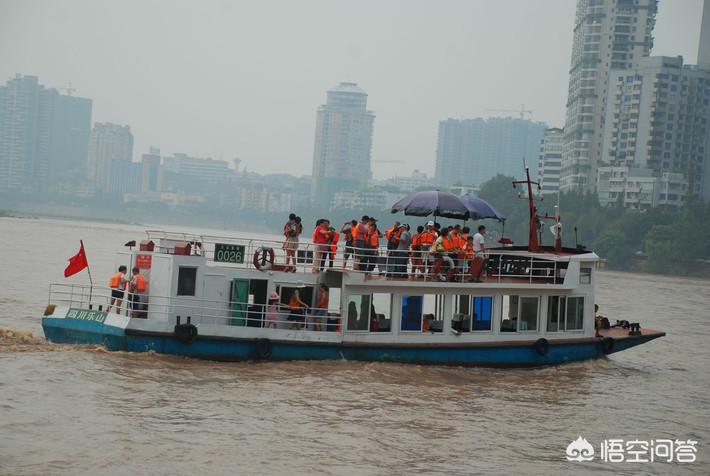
86,332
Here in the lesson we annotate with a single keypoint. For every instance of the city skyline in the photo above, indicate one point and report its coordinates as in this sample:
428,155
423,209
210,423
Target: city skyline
409,100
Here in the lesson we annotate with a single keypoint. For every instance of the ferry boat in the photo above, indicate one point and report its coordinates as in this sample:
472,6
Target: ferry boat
209,298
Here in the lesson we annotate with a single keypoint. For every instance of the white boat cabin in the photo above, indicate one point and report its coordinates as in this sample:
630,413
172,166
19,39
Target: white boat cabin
215,282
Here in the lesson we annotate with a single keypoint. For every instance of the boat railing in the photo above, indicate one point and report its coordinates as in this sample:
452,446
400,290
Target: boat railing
232,313
265,254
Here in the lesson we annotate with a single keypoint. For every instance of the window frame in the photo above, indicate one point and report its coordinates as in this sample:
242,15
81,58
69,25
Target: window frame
439,311
518,320
194,283
580,329
456,308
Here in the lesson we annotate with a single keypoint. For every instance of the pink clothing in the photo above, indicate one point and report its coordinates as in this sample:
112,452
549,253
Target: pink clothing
272,314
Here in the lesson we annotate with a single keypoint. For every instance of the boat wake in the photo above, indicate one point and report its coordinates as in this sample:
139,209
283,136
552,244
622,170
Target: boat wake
13,339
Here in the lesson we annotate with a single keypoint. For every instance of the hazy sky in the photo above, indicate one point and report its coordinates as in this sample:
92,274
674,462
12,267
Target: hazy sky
244,79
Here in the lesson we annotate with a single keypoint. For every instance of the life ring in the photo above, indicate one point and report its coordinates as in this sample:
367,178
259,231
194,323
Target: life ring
263,349
607,345
185,333
542,347
264,258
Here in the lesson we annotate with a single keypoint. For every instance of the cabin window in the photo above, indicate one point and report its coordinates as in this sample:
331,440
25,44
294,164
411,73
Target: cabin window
509,314
556,307
519,313
575,314
482,313
585,275
358,312
187,277
565,313
422,313
528,313
381,313
472,313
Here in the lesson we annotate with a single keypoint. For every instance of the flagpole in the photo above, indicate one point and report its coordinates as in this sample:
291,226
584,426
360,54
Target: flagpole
88,269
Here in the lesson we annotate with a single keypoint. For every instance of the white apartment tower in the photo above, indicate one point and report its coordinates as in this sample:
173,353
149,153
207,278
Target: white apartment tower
341,155
108,142
551,160
608,34
658,119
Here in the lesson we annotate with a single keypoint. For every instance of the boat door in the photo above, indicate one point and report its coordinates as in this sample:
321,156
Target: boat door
248,301
215,288
238,301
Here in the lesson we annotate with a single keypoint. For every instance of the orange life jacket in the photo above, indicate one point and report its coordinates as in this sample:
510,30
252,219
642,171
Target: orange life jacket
448,243
115,282
427,238
141,283
393,234
468,250
358,232
334,241
374,238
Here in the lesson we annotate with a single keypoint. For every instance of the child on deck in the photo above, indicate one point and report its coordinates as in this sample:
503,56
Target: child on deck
272,311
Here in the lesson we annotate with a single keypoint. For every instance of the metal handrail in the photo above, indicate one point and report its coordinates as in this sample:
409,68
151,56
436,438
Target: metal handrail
381,257
76,295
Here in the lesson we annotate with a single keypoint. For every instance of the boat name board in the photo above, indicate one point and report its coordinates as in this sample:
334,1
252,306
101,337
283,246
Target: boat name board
144,261
86,315
226,253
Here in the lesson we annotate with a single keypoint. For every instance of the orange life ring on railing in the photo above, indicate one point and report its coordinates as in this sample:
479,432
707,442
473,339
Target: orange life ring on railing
264,258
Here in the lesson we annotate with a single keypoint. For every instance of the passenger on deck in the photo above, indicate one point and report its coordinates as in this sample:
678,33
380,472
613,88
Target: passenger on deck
426,239
321,242
291,232
347,230
372,244
333,249
117,283
392,237
272,311
402,259
441,249
479,242
321,309
416,250
137,294
360,233
297,309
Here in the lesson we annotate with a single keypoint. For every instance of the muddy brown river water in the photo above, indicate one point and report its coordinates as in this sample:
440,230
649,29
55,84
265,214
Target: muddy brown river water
81,410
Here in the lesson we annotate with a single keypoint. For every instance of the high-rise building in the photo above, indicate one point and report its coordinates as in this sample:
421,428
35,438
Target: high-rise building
658,118
152,180
608,34
550,160
109,142
125,177
190,174
704,47
44,135
343,142
472,151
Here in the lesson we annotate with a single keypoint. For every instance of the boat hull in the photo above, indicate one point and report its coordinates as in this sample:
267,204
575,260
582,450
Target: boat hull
117,335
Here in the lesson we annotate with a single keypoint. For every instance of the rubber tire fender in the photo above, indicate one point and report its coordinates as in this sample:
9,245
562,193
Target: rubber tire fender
607,344
542,347
263,349
186,333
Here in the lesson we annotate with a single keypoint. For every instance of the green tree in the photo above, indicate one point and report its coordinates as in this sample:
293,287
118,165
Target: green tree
614,246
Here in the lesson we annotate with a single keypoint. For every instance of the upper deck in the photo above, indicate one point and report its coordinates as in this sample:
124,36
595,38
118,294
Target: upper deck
513,267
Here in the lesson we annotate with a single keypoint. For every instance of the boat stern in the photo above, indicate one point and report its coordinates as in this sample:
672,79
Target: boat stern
69,325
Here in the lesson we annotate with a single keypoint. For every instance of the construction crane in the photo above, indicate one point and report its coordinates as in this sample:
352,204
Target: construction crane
522,111
68,89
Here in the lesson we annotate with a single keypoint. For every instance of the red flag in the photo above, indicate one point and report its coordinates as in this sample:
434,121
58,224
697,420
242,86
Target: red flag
76,262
